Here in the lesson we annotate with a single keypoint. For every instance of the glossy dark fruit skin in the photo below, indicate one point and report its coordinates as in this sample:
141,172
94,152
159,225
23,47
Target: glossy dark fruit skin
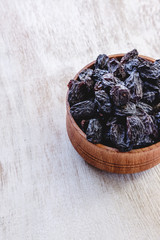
94,131
126,110
120,95
86,77
83,110
77,92
129,56
135,130
116,102
113,66
98,74
109,81
144,107
150,97
102,62
102,102
87,73
131,66
148,70
134,84
119,138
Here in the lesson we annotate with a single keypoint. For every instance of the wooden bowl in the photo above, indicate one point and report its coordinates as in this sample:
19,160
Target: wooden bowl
107,158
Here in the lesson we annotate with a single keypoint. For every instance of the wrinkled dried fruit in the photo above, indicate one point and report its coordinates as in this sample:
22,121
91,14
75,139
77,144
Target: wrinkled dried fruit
117,103
98,74
120,95
94,131
126,110
134,84
109,81
102,61
148,70
149,97
113,66
131,66
119,138
85,74
83,110
144,107
77,92
102,102
129,56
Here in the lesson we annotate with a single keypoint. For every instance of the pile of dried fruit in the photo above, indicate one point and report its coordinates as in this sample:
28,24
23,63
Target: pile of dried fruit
117,103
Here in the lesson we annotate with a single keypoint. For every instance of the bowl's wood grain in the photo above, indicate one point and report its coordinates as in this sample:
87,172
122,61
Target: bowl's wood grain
107,158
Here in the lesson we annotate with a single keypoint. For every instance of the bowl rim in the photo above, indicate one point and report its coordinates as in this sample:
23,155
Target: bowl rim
99,145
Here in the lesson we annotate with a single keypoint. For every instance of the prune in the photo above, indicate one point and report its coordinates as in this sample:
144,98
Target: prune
109,81
135,130
149,97
119,138
85,74
103,103
83,110
134,84
129,56
149,70
98,86
142,130
126,110
120,95
149,86
144,107
111,120
113,66
98,74
149,125
102,61
131,66
121,73
77,92
94,131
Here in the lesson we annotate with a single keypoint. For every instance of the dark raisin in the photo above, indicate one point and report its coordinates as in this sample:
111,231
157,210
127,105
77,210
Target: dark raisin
103,103
120,95
94,131
149,70
98,74
131,66
126,110
83,110
77,92
129,56
85,74
144,107
150,97
119,138
113,66
134,84
102,62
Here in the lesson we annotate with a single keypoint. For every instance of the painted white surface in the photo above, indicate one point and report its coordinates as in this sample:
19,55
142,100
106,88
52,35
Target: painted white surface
47,191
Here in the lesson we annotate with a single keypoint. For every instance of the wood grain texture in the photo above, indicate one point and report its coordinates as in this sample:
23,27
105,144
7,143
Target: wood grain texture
47,191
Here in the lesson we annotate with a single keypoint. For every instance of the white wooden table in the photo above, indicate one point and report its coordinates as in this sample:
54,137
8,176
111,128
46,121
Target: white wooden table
47,191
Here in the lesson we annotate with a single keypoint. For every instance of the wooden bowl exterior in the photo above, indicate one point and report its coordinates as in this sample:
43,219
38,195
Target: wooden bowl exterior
107,158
